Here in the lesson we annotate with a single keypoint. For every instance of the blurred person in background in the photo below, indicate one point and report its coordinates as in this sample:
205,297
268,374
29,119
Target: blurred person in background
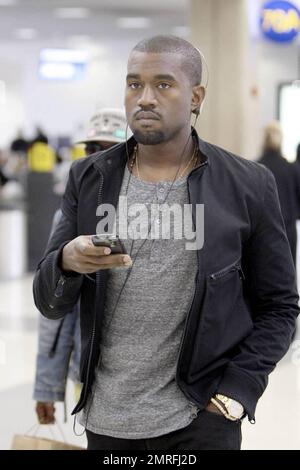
287,179
40,136
41,155
106,125
15,165
11,188
58,354
20,144
297,168
298,155
3,178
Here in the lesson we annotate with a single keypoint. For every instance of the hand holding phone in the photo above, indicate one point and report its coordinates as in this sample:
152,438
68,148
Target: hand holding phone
87,254
110,241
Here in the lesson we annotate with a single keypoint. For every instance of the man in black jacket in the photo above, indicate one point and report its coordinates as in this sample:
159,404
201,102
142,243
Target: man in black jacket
177,342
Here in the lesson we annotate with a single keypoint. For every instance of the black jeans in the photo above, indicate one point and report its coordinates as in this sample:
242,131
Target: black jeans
209,431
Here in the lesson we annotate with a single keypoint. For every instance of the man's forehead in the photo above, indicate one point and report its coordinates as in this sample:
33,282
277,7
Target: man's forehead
163,62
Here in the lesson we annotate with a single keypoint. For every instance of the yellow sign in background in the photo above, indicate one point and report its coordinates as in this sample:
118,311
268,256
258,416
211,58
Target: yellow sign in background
41,158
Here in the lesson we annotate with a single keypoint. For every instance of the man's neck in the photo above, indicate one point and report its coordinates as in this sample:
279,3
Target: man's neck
160,162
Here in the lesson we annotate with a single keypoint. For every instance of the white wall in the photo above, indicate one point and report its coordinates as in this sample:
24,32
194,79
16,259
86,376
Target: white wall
278,63
59,107
11,103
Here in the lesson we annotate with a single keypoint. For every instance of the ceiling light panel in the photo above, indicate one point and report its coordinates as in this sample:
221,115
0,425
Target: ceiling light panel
25,33
133,22
72,13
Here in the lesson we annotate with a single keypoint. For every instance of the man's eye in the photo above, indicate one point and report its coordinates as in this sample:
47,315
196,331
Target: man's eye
134,85
164,86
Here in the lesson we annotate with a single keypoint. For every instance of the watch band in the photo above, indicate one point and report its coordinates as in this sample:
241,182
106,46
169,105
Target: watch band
223,408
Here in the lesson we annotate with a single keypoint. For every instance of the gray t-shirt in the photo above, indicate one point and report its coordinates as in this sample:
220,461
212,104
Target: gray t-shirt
135,394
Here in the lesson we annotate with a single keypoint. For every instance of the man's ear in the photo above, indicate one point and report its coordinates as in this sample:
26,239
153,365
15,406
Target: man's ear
197,99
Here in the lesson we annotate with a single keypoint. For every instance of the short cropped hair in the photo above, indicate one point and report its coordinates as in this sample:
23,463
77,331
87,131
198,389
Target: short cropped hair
191,57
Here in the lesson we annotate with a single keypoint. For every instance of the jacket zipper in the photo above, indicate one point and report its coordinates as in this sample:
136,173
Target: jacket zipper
60,286
82,401
91,348
59,290
192,400
56,339
94,324
233,267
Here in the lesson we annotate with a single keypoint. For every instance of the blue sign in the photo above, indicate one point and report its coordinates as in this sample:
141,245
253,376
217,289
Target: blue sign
280,21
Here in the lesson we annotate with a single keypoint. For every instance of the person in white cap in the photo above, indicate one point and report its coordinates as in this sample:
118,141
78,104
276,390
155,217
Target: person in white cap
106,128
59,341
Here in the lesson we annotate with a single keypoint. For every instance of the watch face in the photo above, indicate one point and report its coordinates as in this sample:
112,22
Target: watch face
236,409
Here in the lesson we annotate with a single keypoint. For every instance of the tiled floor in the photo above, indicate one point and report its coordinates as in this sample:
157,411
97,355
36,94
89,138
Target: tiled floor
278,412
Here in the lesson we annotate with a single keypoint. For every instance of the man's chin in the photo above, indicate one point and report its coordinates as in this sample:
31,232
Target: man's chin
149,137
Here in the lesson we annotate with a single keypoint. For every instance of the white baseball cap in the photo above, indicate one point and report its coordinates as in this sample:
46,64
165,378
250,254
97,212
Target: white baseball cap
107,125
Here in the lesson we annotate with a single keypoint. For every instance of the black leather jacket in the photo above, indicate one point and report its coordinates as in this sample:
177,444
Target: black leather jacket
245,303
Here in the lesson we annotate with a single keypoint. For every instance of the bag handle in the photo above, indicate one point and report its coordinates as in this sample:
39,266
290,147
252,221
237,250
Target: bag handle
34,429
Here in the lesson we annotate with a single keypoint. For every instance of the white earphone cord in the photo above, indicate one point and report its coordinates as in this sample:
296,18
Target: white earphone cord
205,86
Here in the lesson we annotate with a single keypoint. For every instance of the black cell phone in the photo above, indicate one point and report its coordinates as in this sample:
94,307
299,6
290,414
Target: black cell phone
111,241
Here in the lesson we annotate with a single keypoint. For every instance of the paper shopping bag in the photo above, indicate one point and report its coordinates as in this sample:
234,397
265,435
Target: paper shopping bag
30,440
26,442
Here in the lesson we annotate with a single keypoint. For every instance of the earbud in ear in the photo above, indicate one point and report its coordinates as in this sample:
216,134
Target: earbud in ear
197,111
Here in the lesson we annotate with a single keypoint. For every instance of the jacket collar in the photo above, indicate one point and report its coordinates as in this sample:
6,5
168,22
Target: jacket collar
116,157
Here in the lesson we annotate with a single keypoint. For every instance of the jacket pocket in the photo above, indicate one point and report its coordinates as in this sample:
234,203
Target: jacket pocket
226,271
225,317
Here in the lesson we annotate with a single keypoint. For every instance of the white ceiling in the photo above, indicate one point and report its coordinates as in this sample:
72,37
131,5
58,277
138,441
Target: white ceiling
99,4
100,24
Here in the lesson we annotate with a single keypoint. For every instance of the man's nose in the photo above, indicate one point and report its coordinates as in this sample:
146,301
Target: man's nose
147,98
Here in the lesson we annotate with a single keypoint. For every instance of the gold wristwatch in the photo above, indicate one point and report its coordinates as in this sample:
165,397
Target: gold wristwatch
231,409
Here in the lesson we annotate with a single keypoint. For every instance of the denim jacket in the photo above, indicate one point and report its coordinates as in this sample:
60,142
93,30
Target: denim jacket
58,351
58,356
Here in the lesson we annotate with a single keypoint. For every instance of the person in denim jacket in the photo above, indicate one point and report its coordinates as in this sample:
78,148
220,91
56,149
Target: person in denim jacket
57,360
58,355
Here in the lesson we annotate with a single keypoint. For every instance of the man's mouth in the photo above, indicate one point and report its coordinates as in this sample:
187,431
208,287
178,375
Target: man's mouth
146,116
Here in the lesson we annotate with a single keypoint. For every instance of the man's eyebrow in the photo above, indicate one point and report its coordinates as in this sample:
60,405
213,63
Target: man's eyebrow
167,77
136,76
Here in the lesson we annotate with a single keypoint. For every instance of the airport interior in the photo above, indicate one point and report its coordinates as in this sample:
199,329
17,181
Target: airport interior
62,64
